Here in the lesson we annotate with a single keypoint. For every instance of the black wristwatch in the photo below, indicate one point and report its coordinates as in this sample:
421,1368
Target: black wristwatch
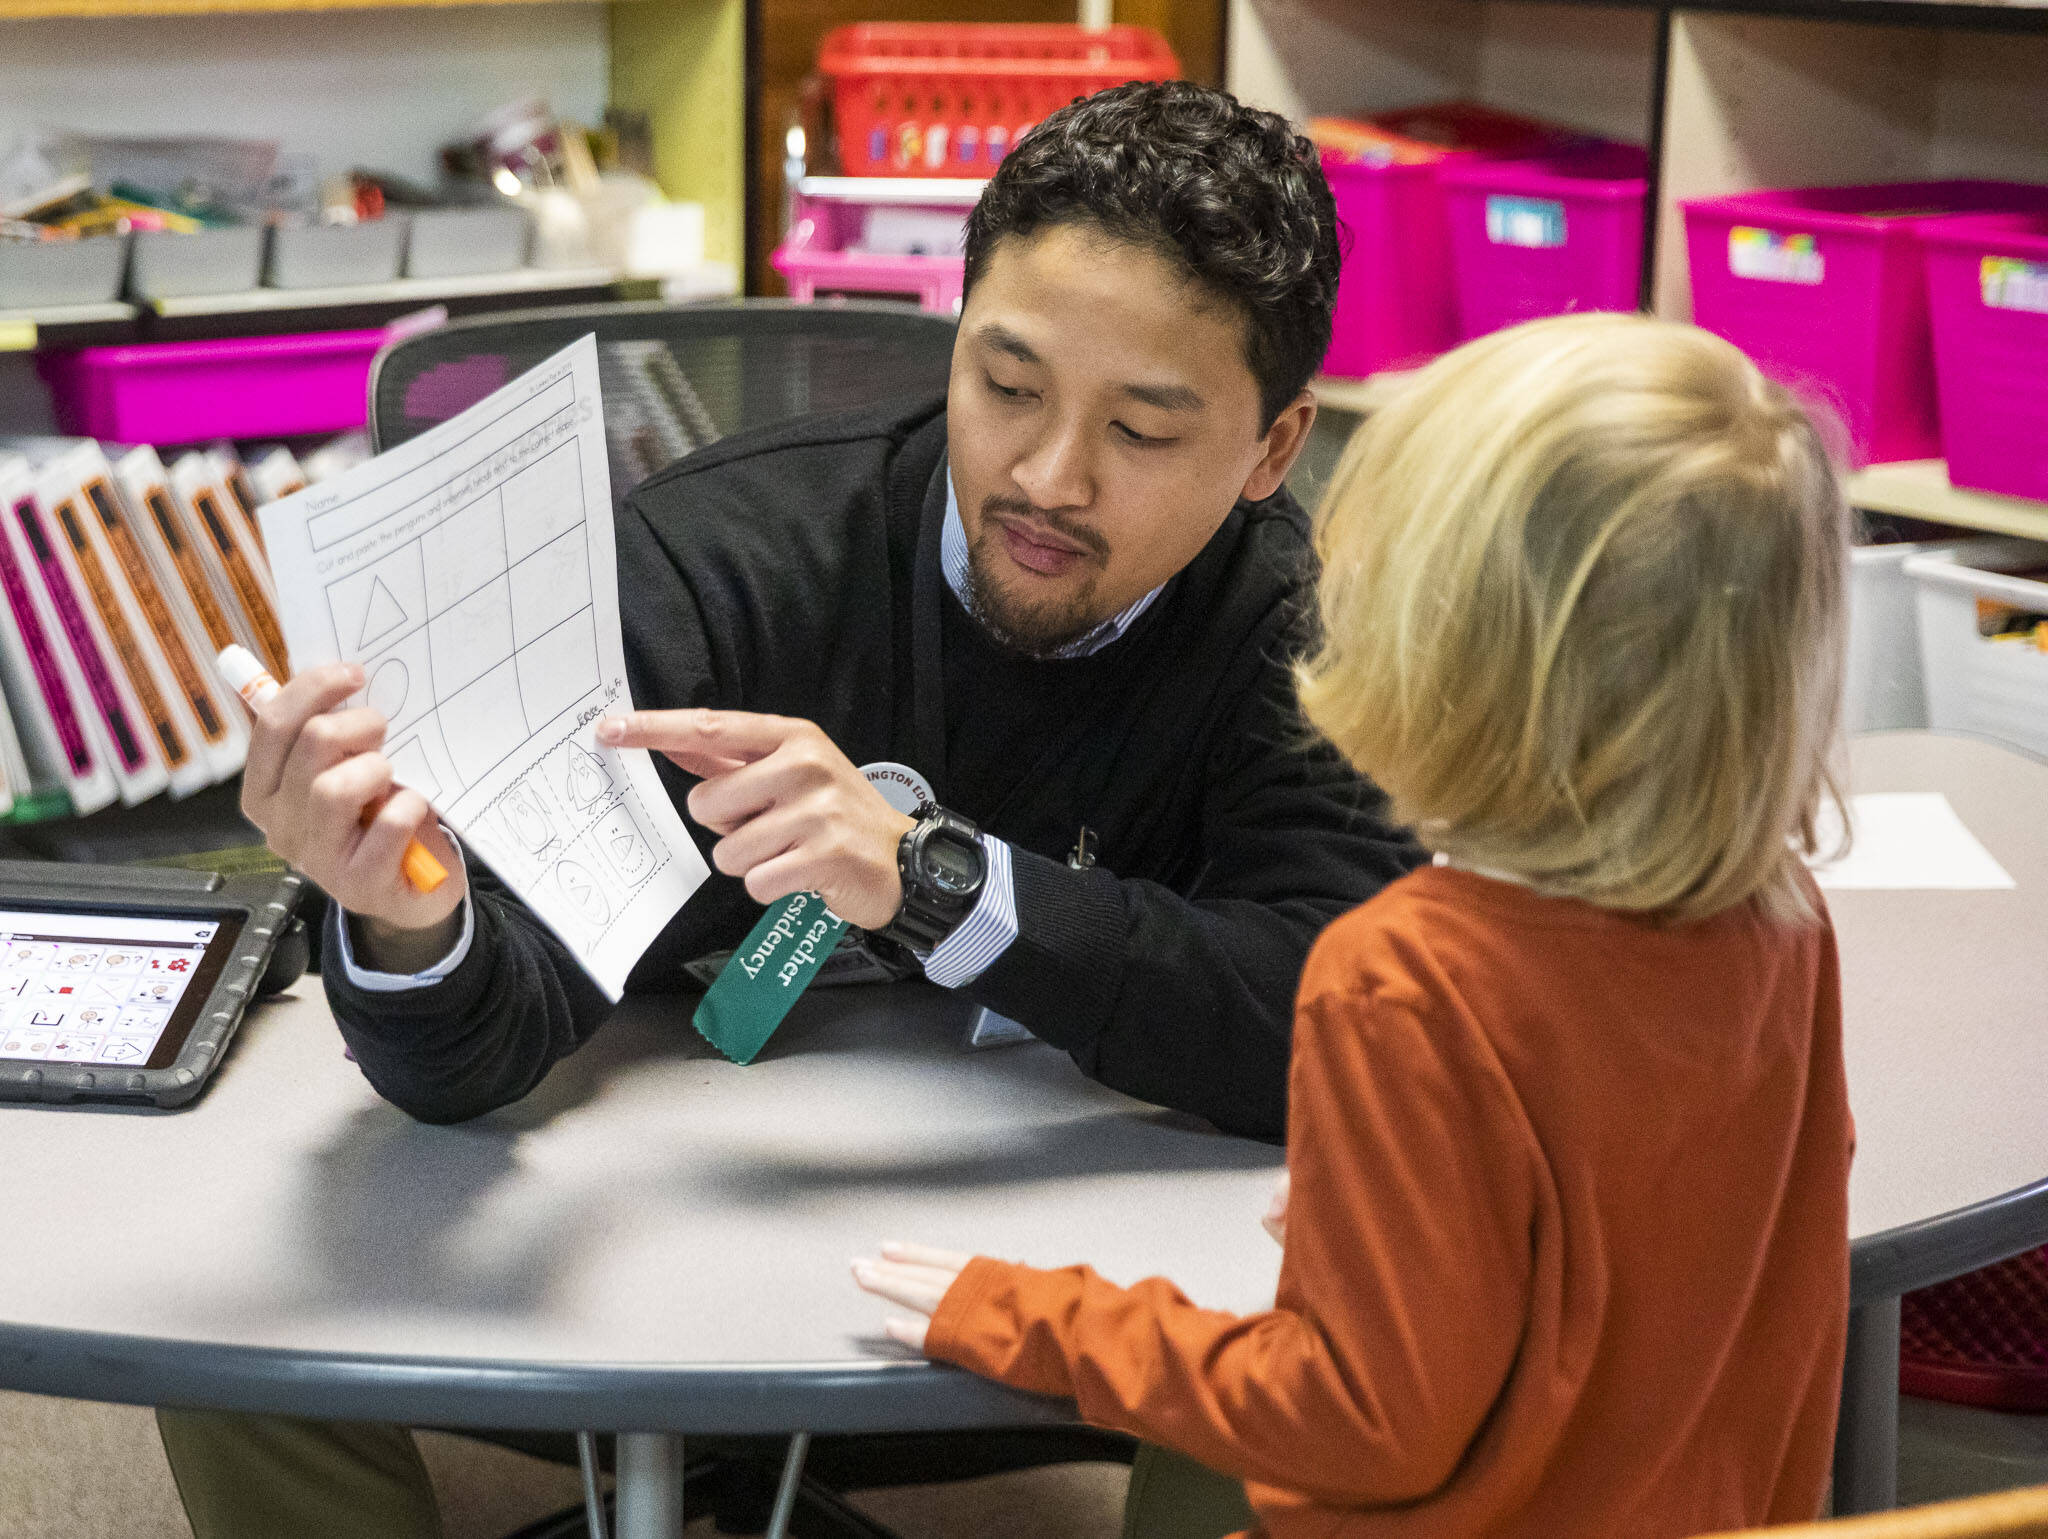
943,866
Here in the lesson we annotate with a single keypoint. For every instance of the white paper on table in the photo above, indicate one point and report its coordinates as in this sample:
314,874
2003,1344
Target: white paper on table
471,571
1910,839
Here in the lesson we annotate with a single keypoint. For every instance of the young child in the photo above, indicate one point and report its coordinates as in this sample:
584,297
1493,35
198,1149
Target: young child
1569,1137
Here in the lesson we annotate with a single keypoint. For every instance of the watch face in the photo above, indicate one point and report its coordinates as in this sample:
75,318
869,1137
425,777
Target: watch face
952,867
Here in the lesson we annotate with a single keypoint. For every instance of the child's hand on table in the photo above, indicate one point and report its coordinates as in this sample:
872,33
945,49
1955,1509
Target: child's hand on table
915,1276
1275,1221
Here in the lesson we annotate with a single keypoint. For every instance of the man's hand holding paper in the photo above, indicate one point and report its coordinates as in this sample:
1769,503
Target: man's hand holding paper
312,772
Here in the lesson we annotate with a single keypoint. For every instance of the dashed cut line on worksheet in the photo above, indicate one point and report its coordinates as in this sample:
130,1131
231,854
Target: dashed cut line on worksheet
573,829
485,620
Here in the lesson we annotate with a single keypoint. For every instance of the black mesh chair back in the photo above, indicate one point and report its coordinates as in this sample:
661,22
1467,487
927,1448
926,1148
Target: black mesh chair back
675,377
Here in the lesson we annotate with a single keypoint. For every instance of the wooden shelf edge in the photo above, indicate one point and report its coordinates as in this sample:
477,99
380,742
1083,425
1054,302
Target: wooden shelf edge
1921,489
21,330
521,280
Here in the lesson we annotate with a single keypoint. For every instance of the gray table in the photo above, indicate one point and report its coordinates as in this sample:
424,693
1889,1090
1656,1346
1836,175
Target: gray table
1945,1004
656,1241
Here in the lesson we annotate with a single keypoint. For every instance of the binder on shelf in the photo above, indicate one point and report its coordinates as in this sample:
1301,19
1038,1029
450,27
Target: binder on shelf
213,592
73,530
44,679
242,569
183,546
14,771
233,477
213,715
17,781
47,695
117,716
277,473
337,455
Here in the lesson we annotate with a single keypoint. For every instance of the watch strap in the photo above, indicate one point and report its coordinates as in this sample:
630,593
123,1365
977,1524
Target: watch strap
927,917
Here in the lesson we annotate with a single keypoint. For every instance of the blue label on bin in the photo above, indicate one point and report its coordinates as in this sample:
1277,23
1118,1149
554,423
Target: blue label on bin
1533,222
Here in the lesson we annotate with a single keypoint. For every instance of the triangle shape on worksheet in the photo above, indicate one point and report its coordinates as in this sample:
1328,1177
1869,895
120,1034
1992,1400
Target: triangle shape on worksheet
381,616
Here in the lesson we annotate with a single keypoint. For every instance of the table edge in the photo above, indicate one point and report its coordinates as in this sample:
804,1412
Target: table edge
1932,1250
849,1396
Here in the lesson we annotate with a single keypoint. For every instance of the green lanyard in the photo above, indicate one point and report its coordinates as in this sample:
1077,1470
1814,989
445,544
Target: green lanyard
773,965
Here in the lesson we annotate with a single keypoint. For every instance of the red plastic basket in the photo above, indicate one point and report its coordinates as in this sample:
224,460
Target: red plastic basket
950,98
1981,1339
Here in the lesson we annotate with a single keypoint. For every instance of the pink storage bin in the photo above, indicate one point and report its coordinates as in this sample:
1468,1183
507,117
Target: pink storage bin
821,253
1396,303
1825,288
1545,236
183,392
1987,298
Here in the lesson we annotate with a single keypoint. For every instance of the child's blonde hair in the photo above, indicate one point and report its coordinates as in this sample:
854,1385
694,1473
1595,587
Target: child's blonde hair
1583,615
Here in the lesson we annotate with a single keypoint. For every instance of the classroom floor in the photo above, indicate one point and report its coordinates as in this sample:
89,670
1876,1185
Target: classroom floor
69,1470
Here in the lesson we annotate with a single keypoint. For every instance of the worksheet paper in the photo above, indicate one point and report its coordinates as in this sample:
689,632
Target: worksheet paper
471,572
1908,840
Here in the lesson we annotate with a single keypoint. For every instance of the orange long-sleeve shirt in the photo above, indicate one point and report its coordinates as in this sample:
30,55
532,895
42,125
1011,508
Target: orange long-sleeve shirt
1567,1245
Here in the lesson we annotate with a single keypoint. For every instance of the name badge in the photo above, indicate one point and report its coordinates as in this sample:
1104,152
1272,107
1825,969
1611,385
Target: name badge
901,786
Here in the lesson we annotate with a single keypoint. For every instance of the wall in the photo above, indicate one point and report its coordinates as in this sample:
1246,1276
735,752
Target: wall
374,88
1587,66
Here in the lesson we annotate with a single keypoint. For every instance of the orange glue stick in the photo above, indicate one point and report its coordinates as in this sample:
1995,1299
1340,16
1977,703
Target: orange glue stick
252,681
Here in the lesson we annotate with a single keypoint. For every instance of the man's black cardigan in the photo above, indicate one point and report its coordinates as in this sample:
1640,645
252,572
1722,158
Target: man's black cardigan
795,570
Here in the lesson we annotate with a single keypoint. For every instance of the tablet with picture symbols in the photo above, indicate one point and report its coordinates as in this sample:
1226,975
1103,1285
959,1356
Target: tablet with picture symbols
126,984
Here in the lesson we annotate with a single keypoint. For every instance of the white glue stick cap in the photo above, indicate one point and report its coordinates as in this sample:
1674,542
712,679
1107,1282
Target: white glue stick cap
245,675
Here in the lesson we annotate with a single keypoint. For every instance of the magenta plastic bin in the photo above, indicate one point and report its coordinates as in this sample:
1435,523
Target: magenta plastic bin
1987,298
1545,236
1825,287
1396,306
821,254
185,392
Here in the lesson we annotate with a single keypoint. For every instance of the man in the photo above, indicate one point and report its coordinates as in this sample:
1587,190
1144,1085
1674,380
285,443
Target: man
1067,598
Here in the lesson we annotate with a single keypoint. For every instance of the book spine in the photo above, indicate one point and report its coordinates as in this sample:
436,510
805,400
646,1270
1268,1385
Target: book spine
237,480
211,616
163,626
101,588
84,646
43,659
248,587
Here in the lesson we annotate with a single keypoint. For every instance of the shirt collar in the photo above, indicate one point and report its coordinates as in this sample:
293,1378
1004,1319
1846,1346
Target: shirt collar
953,563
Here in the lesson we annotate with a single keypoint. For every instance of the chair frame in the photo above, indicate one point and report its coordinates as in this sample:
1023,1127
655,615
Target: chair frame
635,321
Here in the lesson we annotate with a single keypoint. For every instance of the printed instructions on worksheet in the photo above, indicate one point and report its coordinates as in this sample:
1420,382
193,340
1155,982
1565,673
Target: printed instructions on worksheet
471,572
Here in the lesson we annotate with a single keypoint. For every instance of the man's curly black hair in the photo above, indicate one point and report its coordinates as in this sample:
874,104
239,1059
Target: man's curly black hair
1231,194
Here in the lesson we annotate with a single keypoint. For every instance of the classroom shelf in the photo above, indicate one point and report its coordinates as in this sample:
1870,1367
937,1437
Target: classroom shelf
22,331
259,312
1921,489
421,291
910,191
